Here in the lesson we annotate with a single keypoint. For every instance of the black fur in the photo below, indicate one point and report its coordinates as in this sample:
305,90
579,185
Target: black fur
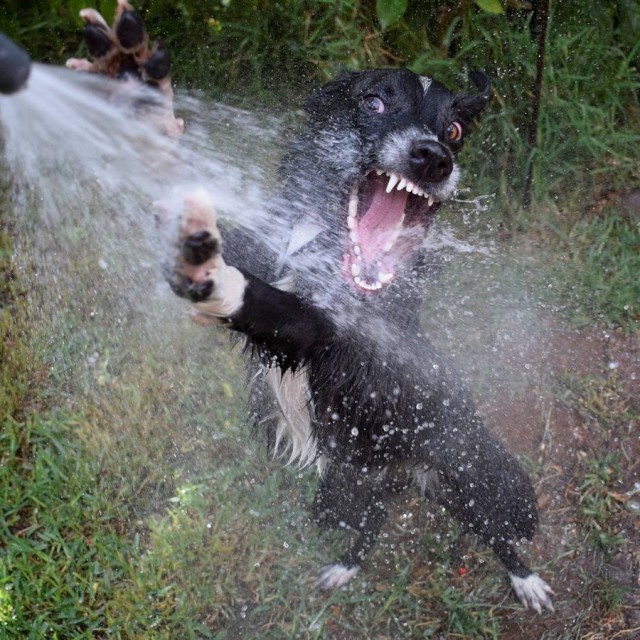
388,409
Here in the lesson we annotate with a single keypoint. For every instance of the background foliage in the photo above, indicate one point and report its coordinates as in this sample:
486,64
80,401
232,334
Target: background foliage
262,52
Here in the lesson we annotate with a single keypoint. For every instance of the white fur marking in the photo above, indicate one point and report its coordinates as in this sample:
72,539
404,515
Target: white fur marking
427,481
293,431
335,575
533,592
426,83
322,464
228,292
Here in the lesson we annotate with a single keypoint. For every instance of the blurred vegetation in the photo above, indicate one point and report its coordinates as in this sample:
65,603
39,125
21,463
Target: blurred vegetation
257,52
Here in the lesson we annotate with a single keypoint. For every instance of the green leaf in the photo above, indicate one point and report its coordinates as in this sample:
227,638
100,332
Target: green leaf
491,6
390,11
108,9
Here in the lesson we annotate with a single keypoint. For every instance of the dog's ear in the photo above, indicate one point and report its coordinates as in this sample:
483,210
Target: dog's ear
330,98
470,105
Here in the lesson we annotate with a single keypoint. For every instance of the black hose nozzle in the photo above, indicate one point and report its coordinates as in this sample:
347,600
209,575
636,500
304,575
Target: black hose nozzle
15,65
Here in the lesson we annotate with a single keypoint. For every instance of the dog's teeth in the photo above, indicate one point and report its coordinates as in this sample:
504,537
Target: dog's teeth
393,181
401,185
430,200
353,237
357,250
385,277
351,222
387,246
353,204
355,270
379,172
358,280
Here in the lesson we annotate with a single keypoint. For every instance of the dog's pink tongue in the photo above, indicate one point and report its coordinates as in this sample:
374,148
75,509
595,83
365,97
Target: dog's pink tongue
380,224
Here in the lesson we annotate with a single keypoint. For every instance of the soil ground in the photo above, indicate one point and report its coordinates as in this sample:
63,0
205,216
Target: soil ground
577,429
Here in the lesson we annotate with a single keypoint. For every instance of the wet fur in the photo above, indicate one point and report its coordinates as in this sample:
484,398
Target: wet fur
349,381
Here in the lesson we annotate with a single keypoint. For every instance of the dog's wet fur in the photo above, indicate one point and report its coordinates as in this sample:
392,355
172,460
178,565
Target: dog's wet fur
346,379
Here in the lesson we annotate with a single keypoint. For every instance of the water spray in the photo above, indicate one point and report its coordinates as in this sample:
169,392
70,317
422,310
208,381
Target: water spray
15,66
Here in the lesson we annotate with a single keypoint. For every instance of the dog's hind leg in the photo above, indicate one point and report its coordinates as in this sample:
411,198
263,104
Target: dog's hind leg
492,496
348,499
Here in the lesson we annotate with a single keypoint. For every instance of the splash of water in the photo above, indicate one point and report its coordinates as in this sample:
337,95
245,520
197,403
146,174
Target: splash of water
87,171
75,135
86,149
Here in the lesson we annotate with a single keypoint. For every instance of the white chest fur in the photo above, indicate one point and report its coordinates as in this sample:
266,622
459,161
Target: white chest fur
294,436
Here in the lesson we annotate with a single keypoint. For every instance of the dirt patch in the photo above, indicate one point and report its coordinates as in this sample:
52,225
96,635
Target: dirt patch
579,426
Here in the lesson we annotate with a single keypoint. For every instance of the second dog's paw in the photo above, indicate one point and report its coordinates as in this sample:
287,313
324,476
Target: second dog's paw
123,52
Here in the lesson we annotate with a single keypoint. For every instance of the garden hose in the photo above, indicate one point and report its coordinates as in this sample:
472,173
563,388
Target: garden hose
15,65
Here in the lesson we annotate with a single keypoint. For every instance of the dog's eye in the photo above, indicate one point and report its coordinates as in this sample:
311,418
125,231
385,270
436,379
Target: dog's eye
373,104
454,132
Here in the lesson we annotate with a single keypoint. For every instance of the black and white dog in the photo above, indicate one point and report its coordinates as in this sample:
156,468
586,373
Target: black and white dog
348,382
346,379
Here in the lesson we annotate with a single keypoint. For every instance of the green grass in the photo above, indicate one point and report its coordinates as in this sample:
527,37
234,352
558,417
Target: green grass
598,274
598,503
63,564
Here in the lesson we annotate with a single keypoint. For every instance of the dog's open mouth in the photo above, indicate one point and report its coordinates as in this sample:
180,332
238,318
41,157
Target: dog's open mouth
387,219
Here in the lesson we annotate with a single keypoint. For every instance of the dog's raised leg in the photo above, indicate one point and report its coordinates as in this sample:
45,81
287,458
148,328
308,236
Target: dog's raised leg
199,272
284,325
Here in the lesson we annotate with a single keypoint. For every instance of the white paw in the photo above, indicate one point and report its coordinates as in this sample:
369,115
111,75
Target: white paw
335,575
533,592
199,272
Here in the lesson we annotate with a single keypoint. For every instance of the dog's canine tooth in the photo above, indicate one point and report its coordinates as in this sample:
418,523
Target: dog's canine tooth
385,277
355,270
387,246
393,181
430,200
353,204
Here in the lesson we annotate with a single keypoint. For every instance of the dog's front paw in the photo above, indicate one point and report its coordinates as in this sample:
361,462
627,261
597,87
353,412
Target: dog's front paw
123,52
199,272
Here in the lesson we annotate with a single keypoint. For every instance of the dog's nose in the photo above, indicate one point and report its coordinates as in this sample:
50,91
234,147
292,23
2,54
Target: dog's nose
431,160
